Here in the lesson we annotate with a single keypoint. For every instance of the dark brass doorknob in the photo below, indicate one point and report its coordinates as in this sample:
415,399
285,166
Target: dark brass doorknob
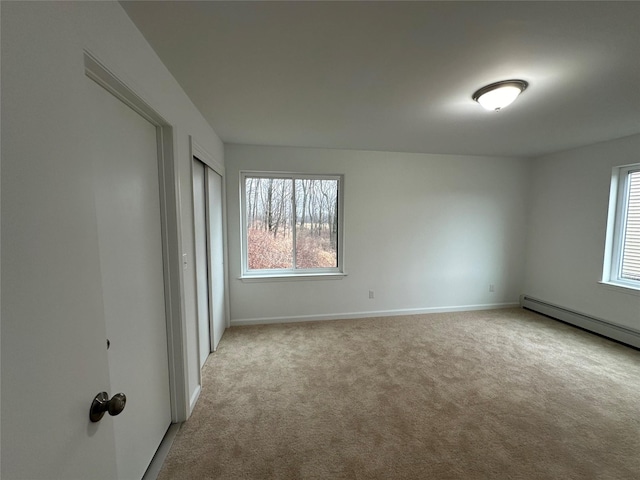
102,404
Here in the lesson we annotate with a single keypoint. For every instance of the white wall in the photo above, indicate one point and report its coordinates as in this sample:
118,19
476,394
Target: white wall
425,232
51,348
567,229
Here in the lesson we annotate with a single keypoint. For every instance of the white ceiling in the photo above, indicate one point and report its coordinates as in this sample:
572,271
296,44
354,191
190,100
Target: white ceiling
398,76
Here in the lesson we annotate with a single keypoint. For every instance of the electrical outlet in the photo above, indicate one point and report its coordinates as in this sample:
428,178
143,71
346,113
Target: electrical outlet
370,294
492,287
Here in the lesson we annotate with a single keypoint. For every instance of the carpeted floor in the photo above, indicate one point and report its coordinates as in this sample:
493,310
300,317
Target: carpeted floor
502,394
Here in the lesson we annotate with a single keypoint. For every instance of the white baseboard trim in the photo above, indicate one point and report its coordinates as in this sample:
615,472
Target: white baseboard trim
376,313
622,334
194,399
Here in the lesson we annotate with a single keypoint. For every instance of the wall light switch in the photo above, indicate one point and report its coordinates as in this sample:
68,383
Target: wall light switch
184,261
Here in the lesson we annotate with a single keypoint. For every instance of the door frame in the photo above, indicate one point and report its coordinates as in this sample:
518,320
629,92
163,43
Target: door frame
169,183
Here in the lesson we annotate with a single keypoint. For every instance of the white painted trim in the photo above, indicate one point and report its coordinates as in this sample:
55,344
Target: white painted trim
205,157
178,344
169,183
194,398
291,277
377,313
596,325
620,288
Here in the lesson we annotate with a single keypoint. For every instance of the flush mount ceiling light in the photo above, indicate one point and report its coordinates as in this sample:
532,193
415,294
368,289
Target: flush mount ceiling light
500,94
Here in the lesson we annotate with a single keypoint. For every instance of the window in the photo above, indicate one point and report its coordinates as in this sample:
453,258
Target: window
622,260
291,224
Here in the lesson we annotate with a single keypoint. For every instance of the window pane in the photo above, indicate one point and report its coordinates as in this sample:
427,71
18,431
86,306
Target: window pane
631,246
269,223
316,223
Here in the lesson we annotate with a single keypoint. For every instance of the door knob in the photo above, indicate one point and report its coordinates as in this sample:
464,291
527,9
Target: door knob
102,404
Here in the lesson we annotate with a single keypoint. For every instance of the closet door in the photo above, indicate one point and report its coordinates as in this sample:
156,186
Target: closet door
202,260
216,256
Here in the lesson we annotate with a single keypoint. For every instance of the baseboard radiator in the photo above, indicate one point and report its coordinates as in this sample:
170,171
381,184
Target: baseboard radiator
595,325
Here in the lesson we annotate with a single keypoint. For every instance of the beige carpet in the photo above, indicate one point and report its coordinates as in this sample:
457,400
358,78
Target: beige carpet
503,394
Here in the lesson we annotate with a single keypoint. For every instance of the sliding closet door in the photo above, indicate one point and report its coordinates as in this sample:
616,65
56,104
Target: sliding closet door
201,259
216,255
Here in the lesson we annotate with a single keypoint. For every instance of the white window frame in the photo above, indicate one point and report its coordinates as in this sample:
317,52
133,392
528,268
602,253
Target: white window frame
291,273
616,226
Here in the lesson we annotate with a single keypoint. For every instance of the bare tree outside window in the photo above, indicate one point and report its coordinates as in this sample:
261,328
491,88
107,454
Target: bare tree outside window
291,223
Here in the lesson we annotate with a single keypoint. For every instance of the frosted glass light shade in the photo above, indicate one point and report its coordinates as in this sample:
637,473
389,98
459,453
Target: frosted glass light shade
500,94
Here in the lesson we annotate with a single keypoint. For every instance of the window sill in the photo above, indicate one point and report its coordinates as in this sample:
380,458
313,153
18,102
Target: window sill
621,287
291,277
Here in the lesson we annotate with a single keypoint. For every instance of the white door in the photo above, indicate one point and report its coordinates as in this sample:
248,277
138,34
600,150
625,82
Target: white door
216,255
202,259
126,184
207,212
